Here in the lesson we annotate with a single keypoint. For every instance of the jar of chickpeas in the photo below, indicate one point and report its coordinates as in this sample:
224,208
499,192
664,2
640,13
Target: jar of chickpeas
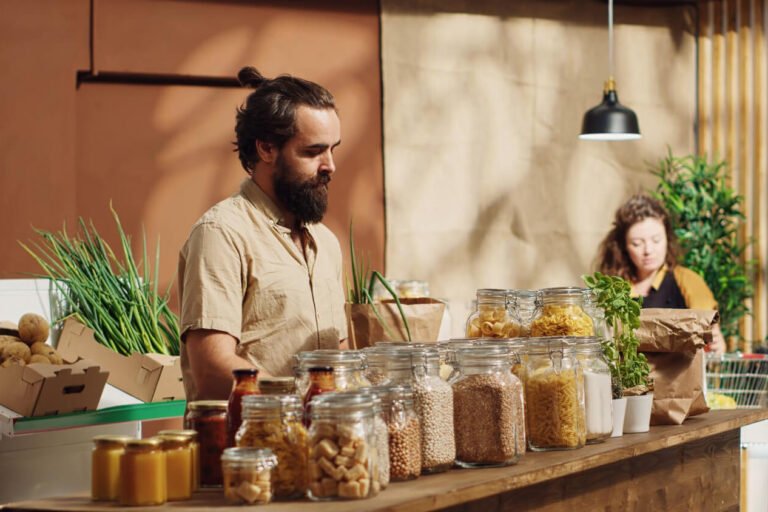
492,318
561,312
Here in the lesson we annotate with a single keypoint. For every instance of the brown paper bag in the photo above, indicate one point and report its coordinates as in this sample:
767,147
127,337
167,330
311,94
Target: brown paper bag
424,316
672,340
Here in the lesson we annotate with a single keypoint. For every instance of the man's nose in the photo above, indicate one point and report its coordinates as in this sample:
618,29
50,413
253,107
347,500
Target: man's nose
328,164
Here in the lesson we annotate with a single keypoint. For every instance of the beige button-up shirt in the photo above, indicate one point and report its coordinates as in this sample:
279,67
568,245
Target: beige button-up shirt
241,273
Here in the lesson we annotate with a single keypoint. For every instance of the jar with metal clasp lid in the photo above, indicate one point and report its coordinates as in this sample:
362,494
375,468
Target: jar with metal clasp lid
348,368
561,312
105,466
554,396
597,388
492,317
403,431
523,304
247,475
388,363
143,476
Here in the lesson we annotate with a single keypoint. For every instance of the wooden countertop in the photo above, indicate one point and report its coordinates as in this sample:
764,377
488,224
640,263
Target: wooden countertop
458,486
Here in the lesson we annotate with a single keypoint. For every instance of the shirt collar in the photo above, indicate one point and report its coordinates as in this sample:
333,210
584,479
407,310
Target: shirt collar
660,274
263,203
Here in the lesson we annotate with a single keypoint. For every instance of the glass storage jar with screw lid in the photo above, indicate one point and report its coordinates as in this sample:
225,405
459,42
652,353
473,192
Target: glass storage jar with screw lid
143,473
492,317
488,407
554,396
348,368
178,464
209,419
598,393
105,466
275,422
194,447
561,313
247,475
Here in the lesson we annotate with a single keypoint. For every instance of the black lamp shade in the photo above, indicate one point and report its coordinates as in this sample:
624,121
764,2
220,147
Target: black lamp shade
610,120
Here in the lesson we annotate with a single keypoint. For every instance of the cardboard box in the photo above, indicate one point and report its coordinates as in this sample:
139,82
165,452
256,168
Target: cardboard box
148,377
46,389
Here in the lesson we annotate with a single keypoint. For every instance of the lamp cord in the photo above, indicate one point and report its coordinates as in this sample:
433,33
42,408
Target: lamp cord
610,39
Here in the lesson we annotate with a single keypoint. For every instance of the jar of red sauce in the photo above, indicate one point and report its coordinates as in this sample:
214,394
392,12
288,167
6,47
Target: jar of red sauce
321,380
209,419
245,383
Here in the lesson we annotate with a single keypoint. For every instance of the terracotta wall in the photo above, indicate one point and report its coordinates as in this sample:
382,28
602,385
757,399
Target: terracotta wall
162,154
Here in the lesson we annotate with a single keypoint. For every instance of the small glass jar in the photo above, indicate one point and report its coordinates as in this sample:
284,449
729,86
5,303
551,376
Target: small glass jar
342,458
247,475
488,407
322,379
277,385
178,465
348,368
561,313
554,396
492,318
275,422
209,419
245,383
524,308
412,288
388,363
194,446
597,388
143,473
403,432
105,466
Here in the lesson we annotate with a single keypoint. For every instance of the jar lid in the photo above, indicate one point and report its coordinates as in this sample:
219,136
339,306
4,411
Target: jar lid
206,405
353,359
484,355
245,372
174,441
111,440
192,434
144,444
277,382
583,343
342,403
263,457
547,344
492,293
569,293
390,393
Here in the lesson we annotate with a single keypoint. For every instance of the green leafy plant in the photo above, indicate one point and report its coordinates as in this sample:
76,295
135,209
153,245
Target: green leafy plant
613,295
361,291
705,214
115,297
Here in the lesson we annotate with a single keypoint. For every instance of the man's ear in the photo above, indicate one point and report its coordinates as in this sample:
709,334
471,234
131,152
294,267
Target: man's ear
267,151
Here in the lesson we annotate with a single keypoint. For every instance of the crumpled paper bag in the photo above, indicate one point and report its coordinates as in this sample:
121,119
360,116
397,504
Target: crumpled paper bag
424,316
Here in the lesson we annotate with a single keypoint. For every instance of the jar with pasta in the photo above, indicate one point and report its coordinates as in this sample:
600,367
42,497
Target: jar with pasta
248,475
554,396
524,307
561,313
275,422
342,460
489,416
492,318
348,368
597,388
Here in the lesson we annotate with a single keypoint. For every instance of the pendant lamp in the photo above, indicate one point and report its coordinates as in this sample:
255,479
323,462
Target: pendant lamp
610,120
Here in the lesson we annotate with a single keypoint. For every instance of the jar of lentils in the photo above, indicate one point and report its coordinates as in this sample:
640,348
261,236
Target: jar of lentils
403,430
561,312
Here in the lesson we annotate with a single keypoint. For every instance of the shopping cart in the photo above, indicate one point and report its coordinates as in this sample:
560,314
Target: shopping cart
737,381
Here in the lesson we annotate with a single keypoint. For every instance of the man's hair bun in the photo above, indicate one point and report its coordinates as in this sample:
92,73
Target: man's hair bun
249,76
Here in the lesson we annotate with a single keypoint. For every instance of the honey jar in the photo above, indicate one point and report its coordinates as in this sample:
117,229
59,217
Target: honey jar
143,473
105,466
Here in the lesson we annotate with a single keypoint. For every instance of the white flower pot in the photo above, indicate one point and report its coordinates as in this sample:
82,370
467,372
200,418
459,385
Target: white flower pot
619,409
638,416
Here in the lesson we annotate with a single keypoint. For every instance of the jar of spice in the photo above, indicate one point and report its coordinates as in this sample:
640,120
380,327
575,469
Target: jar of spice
597,388
492,318
194,447
488,407
561,313
275,422
342,459
245,383
143,473
554,396
105,466
247,475
209,419
403,431
178,465
348,368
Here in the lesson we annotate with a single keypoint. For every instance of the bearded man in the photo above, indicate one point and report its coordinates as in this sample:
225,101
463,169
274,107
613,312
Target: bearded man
260,278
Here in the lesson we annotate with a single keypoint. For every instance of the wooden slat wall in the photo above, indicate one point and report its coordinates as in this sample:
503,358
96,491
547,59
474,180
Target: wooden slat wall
733,123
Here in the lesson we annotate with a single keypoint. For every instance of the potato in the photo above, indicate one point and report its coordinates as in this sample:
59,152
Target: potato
5,340
17,349
33,328
13,361
54,358
46,350
39,358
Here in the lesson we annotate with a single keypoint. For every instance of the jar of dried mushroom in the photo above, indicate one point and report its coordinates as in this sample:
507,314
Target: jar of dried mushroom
348,367
524,307
404,431
275,422
488,407
492,318
598,392
248,475
561,313
554,396
342,458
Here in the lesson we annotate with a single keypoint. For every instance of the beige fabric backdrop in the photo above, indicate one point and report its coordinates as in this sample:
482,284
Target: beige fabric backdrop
487,184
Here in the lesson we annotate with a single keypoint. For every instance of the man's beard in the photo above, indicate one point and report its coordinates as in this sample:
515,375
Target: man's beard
306,200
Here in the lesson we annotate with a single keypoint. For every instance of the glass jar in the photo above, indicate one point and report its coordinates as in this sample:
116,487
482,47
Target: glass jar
403,431
194,447
247,475
492,318
388,363
348,367
277,385
105,466
554,396
275,422
178,466
433,401
597,388
488,406
561,313
342,458
245,383
411,288
524,309
322,379
143,473
209,419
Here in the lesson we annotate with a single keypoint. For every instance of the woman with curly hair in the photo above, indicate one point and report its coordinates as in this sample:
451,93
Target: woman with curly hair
641,247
